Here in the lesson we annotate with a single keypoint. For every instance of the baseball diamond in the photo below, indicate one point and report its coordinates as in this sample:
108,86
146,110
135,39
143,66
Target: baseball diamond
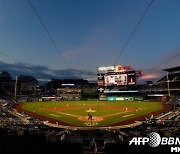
103,113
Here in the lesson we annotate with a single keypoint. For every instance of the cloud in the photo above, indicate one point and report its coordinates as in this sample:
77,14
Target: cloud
43,73
150,76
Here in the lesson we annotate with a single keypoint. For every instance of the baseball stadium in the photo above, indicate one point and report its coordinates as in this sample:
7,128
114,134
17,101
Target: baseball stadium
114,108
65,87
93,117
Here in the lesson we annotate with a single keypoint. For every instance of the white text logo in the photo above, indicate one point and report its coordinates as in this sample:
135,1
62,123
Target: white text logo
153,139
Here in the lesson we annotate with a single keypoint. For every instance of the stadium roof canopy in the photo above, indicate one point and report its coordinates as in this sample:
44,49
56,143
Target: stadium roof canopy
172,69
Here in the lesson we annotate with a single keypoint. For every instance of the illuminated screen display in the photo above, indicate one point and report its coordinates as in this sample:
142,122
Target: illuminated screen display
117,79
131,80
116,76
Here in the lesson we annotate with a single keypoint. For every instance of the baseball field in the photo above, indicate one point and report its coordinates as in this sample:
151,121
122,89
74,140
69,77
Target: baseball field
92,113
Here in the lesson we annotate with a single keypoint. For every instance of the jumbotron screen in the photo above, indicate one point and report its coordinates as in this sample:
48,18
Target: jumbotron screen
116,76
118,79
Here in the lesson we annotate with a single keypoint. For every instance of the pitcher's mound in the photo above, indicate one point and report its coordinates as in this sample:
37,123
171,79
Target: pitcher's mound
90,110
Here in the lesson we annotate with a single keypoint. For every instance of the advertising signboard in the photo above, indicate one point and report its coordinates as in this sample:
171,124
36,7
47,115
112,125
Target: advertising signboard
119,68
100,83
115,68
105,69
100,76
111,98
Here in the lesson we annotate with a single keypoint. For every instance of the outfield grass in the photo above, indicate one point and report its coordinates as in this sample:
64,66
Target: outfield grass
111,111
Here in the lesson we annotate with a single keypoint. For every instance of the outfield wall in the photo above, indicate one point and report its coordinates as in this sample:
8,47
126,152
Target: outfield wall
123,98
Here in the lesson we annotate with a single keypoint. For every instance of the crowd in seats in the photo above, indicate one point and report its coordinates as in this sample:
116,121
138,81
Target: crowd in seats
34,143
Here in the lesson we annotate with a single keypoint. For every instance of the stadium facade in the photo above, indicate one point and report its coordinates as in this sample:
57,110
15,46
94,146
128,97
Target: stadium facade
167,85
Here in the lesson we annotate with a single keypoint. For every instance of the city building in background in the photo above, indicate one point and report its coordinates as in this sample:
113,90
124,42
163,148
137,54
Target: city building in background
6,83
27,84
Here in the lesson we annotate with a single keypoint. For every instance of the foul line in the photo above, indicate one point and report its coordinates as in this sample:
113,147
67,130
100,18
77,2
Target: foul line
127,115
64,113
110,115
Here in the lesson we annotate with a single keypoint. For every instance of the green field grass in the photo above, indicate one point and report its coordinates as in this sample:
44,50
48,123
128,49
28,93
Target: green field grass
111,111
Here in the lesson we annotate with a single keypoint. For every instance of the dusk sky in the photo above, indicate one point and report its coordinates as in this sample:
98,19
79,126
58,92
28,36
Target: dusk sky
89,33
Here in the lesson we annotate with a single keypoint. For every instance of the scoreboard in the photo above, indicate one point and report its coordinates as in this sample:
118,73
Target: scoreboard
116,76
